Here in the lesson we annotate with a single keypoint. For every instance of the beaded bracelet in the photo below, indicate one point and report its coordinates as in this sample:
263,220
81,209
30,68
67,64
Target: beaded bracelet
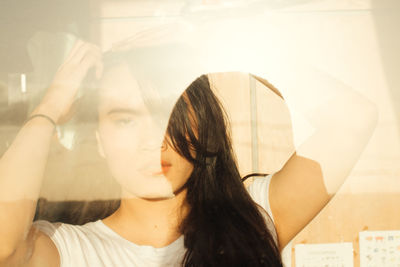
43,116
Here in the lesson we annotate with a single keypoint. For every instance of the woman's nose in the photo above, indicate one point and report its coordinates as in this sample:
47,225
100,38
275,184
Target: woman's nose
152,146
152,140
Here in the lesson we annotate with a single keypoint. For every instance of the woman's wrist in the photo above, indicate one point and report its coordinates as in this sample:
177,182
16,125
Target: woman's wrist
51,105
44,116
46,111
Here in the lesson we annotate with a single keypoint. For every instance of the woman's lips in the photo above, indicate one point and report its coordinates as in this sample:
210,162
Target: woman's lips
165,169
165,166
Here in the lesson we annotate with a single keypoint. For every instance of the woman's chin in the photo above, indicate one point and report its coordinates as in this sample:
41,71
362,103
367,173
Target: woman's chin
150,187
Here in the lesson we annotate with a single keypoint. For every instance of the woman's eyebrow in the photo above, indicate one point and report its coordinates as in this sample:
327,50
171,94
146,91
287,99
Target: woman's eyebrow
123,110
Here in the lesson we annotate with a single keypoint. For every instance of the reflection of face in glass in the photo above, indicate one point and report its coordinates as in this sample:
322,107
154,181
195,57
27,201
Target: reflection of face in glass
198,157
132,139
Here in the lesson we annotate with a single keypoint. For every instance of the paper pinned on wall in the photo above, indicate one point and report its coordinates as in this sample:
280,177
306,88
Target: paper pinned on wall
327,255
379,248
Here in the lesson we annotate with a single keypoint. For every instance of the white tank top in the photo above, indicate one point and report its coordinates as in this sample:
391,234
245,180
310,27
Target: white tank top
95,244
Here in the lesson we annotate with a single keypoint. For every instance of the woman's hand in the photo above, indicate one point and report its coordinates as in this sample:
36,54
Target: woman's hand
61,94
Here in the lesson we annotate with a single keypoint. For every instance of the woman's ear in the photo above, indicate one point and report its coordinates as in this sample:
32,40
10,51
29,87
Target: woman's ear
100,145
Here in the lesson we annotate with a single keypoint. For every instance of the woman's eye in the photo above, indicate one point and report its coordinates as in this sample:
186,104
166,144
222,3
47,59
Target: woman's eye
123,122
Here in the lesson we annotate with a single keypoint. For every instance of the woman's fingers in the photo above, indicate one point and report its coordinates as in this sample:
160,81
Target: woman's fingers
91,57
78,44
69,76
73,70
79,55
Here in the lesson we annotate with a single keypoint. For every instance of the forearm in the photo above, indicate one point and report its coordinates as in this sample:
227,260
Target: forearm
22,166
21,172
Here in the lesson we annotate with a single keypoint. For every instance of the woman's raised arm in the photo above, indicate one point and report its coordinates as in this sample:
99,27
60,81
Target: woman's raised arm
343,121
22,165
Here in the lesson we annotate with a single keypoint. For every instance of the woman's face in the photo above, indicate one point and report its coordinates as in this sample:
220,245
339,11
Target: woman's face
133,141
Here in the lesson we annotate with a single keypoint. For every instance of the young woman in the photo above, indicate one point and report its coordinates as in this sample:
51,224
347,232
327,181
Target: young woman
182,202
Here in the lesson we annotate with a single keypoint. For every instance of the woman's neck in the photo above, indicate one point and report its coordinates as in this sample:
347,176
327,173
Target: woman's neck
149,222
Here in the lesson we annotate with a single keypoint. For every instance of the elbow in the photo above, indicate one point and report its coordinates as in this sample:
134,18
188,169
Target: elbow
355,111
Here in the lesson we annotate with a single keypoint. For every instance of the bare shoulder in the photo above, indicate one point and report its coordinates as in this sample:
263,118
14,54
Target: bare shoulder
37,250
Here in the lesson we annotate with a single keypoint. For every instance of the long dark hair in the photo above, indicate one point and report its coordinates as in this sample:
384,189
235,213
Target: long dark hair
224,226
